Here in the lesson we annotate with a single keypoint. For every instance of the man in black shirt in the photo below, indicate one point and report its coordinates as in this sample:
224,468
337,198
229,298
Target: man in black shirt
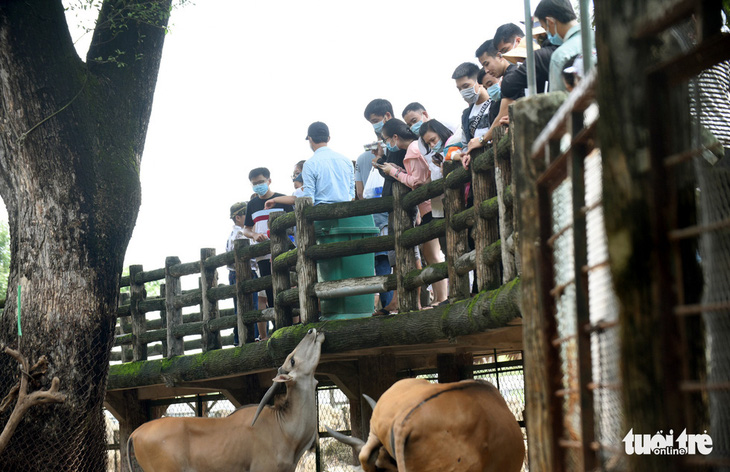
256,224
510,36
377,112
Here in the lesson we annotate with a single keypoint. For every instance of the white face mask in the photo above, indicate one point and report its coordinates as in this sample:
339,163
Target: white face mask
469,95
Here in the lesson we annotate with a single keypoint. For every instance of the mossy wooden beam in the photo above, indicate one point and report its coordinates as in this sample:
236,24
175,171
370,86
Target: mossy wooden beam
351,248
464,219
485,311
457,178
420,234
284,222
348,209
425,192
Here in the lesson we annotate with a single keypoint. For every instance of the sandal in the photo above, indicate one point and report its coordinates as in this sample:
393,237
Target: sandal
381,312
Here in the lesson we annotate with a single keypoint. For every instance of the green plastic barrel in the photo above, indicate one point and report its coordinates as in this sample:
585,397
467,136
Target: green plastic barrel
363,265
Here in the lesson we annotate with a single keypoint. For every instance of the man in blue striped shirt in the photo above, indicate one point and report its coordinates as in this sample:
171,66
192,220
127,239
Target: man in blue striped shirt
329,177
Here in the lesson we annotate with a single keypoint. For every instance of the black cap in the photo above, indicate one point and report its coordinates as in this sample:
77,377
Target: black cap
318,131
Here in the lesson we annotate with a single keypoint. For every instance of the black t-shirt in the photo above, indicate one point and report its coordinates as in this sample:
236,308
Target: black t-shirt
514,82
256,213
395,158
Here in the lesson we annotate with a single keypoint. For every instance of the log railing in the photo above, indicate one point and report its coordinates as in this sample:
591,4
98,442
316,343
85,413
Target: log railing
294,269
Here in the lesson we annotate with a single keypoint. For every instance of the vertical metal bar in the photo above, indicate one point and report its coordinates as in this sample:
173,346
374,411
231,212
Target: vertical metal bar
496,368
530,60
580,257
198,406
585,35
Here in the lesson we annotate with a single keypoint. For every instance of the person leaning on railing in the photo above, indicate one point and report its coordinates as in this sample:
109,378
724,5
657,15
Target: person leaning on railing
414,173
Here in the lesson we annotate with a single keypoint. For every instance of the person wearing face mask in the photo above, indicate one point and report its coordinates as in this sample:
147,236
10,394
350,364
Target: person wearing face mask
512,87
559,21
414,173
509,40
377,113
478,116
256,223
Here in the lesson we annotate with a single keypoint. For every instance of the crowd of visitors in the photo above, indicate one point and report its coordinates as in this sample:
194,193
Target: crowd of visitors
412,150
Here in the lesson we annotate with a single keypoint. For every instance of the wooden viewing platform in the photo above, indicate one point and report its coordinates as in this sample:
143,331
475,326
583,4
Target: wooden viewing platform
414,340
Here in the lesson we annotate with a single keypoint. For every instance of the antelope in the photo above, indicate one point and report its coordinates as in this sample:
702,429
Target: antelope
251,439
418,426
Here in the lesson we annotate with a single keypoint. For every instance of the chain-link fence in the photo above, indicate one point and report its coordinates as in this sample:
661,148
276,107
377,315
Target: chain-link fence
58,436
505,371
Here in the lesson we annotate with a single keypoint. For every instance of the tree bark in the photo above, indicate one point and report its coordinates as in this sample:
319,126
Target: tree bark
71,139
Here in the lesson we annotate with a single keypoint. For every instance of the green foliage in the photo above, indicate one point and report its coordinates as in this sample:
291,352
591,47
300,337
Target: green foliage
4,258
152,288
121,15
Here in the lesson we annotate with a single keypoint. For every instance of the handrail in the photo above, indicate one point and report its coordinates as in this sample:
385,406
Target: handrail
484,217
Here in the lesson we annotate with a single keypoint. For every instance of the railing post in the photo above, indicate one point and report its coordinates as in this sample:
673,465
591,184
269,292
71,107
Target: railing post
405,257
486,231
126,325
279,279
209,310
175,346
139,327
503,177
244,301
163,315
456,241
306,267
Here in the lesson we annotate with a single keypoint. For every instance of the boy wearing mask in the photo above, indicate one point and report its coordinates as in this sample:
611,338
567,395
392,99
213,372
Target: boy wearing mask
256,224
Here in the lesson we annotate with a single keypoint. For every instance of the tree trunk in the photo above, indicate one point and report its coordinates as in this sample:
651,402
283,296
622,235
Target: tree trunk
72,135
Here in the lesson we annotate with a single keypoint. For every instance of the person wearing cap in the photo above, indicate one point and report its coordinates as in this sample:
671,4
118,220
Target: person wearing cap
509,42
558,19
328,177
238,215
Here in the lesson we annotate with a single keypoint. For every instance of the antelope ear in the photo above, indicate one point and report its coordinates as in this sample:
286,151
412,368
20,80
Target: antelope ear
283,378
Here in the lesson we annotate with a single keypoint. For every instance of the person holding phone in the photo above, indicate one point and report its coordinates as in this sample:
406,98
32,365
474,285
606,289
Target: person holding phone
414,173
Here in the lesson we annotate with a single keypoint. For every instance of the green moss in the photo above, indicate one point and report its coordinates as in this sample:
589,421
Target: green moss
127,368
494,310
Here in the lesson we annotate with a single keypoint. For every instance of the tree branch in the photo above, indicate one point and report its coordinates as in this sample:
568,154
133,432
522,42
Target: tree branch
26,401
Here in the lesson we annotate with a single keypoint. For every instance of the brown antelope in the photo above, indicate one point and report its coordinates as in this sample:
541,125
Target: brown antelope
418,426
263,439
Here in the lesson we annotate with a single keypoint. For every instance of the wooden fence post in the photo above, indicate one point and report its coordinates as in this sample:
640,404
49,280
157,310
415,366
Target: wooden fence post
163,316
405,257
485,230
244,301
456,241
209,310
306,267
175,346
279,279
139,322
503,178
125,325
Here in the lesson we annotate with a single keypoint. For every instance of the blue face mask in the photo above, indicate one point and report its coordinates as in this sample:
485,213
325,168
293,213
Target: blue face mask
416,127
495,92
554,38
378,127
391,148
261,189
438,147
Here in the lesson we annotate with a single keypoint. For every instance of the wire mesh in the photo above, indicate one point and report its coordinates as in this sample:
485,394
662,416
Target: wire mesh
57,436
605,342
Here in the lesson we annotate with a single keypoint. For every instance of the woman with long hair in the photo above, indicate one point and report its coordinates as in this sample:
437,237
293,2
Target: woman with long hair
414,173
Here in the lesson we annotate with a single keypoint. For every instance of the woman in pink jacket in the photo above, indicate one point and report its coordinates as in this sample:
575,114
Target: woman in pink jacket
415,172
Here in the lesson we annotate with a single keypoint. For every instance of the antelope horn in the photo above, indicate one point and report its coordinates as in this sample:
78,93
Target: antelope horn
370,401
357,443
267,396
